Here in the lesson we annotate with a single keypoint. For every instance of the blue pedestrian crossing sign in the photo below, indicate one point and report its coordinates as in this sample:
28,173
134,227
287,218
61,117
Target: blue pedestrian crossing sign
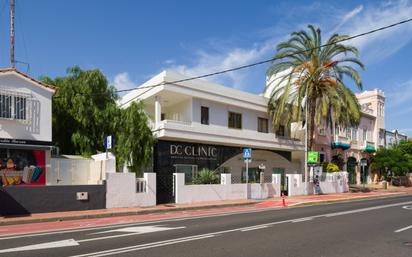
247,153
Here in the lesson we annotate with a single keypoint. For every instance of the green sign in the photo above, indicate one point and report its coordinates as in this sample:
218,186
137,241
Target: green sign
313,157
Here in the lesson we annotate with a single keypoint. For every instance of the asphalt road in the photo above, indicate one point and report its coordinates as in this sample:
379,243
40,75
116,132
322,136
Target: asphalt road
380,227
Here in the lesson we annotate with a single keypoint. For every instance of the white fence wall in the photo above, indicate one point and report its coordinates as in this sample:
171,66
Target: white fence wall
336,182
186,194
121,190
76,172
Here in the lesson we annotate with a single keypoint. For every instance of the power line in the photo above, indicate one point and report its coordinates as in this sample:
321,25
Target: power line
149,87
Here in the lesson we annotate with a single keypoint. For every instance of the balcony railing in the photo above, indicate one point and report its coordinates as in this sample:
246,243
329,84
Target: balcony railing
178,122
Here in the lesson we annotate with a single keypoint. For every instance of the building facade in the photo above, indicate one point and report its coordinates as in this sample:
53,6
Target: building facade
392,138
25,129
201,125
352,145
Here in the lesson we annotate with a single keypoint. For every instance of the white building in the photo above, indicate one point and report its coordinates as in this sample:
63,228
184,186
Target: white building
25,128
200,125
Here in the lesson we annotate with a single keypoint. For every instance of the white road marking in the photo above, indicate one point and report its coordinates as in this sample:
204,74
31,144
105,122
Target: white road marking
403,229
301,220
253,228
364,209
65,231
55,244
138,230
407,207
130,231
185,218
197,237
144,246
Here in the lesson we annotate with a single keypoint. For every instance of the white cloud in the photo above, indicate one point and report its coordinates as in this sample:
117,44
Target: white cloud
211,62
122,81
378,46
362,18
401,95
348,16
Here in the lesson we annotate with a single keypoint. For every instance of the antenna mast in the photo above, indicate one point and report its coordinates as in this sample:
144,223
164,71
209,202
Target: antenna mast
12,5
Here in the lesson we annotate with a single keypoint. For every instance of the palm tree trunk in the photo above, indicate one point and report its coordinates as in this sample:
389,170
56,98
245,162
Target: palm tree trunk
312,110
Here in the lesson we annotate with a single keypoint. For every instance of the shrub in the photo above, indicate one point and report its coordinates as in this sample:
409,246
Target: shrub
206,176
330,167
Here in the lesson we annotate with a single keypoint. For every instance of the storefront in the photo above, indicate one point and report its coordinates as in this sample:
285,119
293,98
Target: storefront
23,162
191,158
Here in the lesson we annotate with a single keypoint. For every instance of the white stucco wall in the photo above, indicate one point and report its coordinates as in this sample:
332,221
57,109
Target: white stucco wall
334,183
121,190
39,128
218,116
187,194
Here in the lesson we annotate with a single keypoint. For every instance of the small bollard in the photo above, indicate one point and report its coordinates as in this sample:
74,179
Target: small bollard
283,200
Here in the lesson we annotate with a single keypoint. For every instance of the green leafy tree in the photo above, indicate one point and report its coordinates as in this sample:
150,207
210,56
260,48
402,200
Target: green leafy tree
135,140
302,67
396,159
85,111
84,108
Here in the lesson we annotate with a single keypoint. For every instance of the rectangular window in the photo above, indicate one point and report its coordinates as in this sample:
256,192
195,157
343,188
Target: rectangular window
162,116
20,108
280,131
13,107
263,125
204,115
235,120
322,131
365,132
348,133
355,134
5,106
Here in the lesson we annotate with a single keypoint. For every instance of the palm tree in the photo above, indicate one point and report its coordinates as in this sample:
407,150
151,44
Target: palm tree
303,72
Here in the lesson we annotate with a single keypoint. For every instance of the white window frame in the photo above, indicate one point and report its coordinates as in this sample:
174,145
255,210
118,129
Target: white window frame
13,104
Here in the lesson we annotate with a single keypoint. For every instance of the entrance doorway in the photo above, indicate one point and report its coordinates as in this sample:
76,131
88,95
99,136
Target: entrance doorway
351,168
283,180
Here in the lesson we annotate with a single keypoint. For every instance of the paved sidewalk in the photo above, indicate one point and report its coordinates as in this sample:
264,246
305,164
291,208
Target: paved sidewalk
63,220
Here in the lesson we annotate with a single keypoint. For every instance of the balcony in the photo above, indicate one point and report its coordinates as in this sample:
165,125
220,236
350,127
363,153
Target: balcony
369,147
341,142
221,134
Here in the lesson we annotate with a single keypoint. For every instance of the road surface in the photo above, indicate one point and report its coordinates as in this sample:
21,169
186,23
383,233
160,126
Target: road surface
379,227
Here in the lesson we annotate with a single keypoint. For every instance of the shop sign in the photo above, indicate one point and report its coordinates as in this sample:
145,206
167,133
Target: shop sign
179,151
23,142
313,157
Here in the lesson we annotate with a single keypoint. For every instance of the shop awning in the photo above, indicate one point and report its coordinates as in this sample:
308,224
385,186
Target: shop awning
25,144
370,149
343,146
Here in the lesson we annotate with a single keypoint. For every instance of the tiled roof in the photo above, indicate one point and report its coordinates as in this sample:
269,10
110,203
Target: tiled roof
4,70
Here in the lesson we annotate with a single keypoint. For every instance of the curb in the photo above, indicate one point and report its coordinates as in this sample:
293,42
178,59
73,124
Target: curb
120,214
350,199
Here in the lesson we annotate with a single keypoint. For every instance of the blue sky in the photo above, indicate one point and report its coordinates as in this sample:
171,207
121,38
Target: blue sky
132,40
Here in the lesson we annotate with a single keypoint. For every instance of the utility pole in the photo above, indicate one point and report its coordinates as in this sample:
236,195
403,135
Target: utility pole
12,6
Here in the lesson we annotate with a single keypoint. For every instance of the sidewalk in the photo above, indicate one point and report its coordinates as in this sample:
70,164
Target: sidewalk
171,210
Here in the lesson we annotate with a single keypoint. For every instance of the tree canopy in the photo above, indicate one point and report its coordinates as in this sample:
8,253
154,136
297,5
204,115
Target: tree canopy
397,159
85,111
303,72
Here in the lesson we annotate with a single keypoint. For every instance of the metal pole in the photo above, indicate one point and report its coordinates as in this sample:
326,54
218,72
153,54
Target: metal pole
12,5
306,137
247,171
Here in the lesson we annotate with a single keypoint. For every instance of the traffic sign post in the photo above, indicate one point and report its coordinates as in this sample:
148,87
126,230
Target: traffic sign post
108,144
247,156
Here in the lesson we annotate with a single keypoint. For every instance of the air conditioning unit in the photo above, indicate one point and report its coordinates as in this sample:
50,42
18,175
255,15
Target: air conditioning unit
82,196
